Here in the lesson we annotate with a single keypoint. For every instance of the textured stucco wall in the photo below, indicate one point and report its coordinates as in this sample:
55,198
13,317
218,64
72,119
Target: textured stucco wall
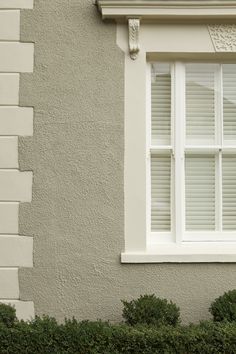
76,153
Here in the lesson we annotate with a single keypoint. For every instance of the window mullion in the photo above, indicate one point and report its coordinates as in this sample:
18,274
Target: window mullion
148,157
173,227
220,191
219,142
219,115
179,143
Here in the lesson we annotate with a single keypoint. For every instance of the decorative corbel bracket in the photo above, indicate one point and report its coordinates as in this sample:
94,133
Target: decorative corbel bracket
223,37
134,28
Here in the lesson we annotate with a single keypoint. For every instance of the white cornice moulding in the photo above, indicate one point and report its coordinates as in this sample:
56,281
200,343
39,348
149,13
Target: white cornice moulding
134,12
167,9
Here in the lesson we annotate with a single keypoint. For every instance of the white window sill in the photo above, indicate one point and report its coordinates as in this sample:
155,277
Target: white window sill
186,252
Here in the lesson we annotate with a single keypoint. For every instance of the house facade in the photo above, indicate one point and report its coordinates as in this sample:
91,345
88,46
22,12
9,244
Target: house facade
117,154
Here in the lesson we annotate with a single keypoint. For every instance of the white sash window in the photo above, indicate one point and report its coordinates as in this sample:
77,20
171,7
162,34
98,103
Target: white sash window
193,152
179,129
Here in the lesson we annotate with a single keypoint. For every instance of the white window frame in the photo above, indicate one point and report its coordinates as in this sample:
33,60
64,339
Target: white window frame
139,248
178,149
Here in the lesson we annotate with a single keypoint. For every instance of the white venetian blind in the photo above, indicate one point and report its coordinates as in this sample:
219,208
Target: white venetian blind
160,191
229,103
161,104
229,192
200,192
200,104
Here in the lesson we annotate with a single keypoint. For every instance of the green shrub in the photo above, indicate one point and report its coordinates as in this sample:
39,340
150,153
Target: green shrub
86,337
224,307
45,336
150,310
210,338
7,315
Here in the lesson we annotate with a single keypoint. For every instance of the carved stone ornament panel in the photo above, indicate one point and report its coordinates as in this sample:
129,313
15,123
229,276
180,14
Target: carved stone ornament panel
223,37
134,27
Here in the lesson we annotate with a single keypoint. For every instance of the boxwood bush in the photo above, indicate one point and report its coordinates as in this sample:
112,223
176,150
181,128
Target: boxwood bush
45,336
151,310
7,315
224,307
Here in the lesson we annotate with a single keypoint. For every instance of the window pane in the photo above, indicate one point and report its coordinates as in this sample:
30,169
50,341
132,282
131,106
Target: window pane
229,103
200,192
200,103
161,104
161,190
229,192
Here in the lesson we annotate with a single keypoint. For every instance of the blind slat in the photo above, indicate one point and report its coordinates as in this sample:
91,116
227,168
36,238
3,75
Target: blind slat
200,103
161,193
161,105
200,192
229,192
229,101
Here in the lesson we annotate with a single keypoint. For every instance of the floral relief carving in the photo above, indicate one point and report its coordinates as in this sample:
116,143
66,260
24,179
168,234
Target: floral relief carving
223,37
134,27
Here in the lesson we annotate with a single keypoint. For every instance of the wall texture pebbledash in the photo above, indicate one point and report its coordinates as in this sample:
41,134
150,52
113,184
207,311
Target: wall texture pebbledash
77,155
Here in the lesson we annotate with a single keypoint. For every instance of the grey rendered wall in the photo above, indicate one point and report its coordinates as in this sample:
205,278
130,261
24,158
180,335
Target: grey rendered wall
76,153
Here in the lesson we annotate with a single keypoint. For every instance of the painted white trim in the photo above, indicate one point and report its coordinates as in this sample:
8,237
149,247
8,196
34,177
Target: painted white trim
162,9
189,252
149,151
160,237
178,258
179,128
139,247
135,153
219,137
210,236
